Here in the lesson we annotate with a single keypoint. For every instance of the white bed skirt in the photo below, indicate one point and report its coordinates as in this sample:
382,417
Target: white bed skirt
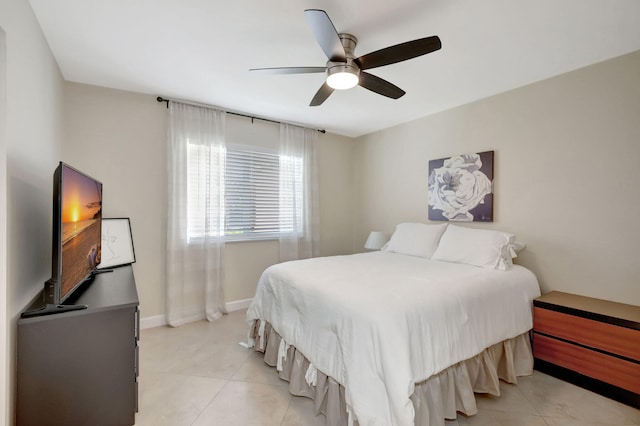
438,398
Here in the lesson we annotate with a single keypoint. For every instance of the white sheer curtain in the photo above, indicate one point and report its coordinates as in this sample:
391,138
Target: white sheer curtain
195,217
299,223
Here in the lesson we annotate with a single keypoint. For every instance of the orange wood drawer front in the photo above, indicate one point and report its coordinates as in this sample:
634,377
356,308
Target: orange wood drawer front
607,337
618,372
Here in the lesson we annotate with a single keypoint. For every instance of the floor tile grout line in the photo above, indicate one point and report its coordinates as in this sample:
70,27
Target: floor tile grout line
210,402
287,410
532,403
240,367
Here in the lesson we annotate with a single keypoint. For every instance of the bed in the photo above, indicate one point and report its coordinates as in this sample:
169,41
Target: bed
391,338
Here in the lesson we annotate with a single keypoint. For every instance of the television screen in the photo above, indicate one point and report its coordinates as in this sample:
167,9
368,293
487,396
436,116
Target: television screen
79,229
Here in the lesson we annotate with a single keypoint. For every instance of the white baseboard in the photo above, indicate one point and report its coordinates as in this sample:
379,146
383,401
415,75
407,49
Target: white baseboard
160,320
155,321
237,305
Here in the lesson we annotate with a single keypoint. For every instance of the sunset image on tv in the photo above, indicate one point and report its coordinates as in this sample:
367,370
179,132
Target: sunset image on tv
81,227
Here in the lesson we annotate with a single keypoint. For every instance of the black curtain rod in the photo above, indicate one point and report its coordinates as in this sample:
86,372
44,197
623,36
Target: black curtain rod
161,99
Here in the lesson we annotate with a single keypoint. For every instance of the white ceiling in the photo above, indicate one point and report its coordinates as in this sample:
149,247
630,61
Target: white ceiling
201,50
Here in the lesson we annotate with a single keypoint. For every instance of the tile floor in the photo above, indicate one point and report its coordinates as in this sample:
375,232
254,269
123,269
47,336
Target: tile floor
198,375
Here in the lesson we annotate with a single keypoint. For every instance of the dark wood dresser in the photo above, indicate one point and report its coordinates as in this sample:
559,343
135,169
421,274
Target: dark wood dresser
590,342
81,367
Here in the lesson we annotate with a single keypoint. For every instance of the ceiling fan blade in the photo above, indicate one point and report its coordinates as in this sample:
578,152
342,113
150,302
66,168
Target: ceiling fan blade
380,86
399,52
326,34
321,95
288,70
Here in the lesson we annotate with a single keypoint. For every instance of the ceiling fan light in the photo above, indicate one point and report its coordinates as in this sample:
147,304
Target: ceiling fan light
342,80
342,77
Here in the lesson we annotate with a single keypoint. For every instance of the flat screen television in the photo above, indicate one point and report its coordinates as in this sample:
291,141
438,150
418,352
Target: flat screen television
76,237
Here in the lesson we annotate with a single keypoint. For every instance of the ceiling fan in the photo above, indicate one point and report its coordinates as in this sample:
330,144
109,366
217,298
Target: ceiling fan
343,69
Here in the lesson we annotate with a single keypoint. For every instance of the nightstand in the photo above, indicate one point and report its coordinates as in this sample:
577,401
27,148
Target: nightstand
590,342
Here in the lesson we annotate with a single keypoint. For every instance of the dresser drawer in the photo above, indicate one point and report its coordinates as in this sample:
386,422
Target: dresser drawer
607,337
618,372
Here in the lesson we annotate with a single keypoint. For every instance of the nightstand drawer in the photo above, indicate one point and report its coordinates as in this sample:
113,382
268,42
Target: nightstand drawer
618,372
607,337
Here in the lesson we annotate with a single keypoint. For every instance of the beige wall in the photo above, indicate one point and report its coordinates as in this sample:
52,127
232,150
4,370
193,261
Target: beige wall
566,174
119,138
32,105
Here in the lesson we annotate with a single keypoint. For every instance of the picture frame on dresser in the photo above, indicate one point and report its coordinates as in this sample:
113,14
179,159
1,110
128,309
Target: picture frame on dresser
117,243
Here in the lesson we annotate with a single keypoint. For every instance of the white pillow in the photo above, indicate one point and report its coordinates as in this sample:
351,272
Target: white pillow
415,239
479,247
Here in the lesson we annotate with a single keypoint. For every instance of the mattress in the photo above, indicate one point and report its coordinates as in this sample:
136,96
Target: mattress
378,323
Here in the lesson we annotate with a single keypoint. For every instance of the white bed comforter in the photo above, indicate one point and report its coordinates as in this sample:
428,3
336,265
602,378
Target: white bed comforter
380,322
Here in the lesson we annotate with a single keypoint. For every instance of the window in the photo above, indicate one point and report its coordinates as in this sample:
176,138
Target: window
262,193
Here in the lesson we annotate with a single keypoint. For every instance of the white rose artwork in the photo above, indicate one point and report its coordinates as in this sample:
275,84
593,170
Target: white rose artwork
460,188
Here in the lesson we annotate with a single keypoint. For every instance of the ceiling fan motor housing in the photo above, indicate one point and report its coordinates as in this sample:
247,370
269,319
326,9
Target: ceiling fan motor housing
336,67
348,66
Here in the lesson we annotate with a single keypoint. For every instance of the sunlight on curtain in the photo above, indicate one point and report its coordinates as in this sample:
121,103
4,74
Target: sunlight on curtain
195,216
299,222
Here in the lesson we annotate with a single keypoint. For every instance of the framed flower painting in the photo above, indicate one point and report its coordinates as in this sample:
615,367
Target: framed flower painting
461,188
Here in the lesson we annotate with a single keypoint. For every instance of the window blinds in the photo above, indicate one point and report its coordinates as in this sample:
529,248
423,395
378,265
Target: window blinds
257,205
252,194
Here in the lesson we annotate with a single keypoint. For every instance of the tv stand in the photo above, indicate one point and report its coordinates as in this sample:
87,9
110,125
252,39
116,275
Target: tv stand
80,367
51,309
